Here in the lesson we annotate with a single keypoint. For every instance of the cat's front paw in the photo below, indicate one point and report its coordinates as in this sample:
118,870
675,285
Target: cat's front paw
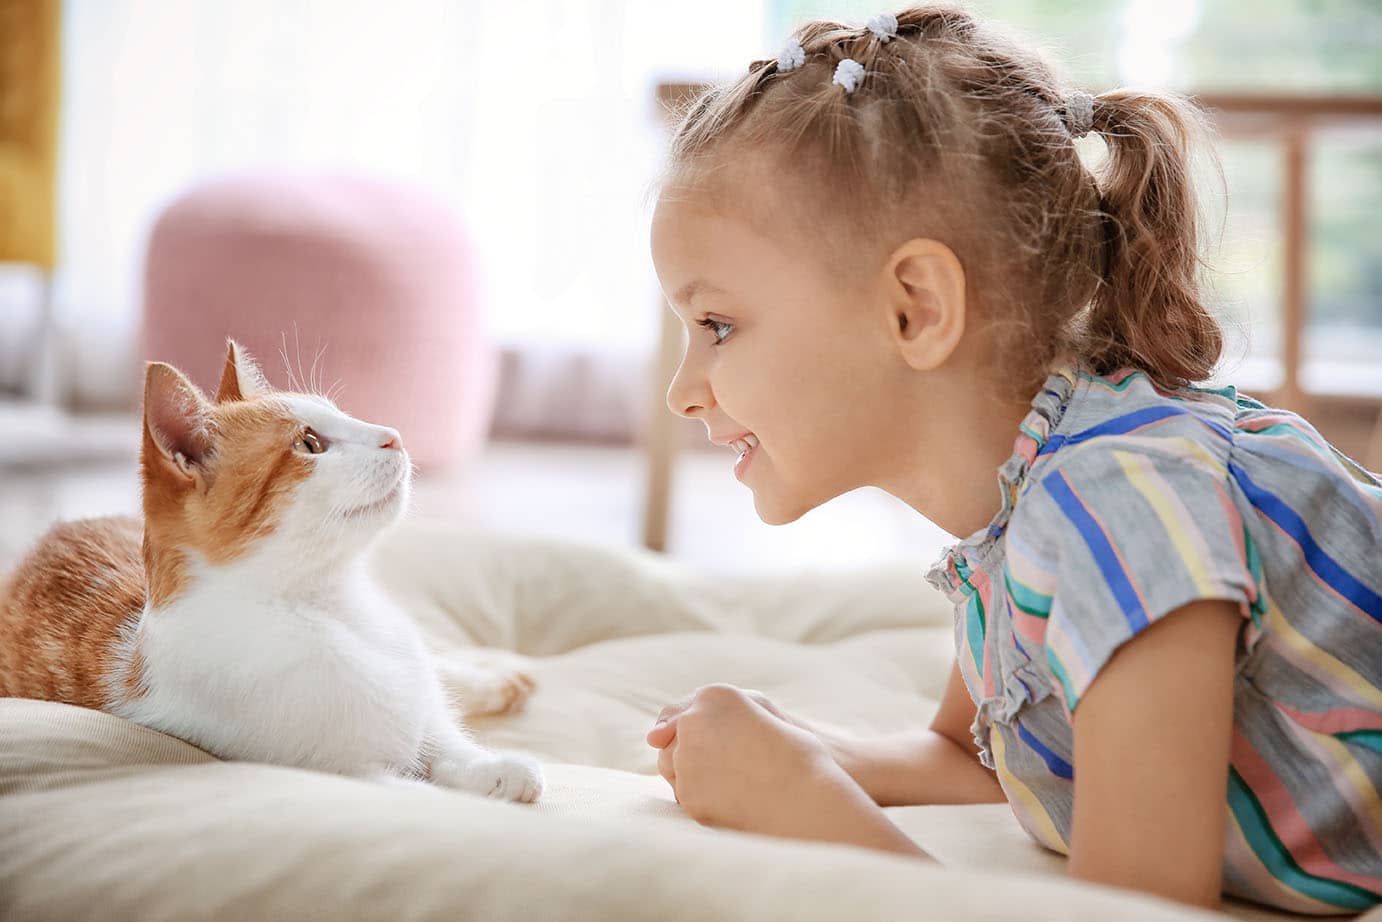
503,776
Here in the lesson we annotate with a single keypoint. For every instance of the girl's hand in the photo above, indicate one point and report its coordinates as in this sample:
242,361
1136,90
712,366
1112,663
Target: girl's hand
733,762
934,766
666,726
729,755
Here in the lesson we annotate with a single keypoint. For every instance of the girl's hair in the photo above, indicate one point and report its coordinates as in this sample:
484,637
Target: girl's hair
959,134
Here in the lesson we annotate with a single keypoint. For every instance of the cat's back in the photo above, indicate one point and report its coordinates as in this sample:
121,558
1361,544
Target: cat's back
63,608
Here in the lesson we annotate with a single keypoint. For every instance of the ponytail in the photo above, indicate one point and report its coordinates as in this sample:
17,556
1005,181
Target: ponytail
1148,312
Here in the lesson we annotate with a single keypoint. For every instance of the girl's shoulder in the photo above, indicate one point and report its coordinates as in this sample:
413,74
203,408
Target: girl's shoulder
1218,432
1135,481
1111,426
1130,404
1127,515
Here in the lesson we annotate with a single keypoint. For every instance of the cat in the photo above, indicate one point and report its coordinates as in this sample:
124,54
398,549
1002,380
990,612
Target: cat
240,617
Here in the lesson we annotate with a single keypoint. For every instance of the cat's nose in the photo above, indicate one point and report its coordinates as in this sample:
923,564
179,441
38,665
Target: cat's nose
389,438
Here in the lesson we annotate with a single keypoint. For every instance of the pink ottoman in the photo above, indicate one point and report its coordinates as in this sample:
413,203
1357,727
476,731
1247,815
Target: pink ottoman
380,276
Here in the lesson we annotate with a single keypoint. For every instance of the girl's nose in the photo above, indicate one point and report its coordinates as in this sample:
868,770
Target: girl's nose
688,394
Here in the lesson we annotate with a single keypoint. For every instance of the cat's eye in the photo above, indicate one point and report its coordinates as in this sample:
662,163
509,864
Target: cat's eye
311,442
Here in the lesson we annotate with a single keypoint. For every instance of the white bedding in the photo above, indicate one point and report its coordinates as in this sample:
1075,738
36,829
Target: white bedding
101,819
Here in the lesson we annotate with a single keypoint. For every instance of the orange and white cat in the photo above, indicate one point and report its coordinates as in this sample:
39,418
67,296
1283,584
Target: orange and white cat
240,617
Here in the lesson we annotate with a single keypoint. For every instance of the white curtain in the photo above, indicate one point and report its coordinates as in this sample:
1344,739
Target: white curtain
533,120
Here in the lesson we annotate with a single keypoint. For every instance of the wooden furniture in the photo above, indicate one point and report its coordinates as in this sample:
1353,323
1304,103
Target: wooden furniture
660,434
30,61
1292,122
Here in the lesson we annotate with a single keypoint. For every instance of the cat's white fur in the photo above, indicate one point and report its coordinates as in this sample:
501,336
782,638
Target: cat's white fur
292,655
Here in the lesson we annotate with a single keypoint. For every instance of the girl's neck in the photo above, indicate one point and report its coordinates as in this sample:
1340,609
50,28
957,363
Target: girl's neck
952,476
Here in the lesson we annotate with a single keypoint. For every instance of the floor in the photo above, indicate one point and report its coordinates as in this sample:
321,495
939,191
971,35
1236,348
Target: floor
51,469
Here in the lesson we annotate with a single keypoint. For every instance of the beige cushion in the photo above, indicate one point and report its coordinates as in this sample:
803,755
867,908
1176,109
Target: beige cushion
103,819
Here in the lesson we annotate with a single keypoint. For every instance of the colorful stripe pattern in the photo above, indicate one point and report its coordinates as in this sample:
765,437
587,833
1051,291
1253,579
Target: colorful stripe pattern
1124,502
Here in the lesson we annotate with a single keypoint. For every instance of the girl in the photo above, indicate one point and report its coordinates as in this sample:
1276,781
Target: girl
891,261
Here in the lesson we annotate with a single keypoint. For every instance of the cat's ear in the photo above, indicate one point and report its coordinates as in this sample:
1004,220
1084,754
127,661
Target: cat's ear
177,436
241,379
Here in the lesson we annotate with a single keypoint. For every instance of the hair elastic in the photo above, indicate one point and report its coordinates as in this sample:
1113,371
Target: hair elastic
849,73
1079,114
884,25
791,57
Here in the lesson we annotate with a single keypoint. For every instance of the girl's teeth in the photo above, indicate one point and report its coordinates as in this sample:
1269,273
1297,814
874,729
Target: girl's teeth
752,440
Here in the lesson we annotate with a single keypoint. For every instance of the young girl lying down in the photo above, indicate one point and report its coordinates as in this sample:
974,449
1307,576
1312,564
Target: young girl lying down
896,271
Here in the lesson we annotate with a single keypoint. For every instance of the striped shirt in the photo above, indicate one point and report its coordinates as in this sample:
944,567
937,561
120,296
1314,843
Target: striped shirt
1124,502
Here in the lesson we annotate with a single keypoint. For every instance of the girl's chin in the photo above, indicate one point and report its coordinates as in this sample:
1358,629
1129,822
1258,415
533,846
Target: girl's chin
772,511
778,506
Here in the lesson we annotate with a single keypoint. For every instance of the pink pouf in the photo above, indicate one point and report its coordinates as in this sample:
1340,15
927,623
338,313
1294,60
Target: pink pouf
379,275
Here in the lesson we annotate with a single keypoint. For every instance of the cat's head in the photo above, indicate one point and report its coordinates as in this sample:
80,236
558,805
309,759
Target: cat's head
287,477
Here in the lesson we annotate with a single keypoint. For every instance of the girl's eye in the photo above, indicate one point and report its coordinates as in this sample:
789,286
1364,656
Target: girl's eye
311,442
720,329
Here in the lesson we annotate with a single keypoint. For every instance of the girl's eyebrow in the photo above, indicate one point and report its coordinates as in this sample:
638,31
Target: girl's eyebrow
693,289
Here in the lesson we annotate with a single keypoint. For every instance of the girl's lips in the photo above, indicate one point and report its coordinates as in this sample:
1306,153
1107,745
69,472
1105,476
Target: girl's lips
744,461
728,440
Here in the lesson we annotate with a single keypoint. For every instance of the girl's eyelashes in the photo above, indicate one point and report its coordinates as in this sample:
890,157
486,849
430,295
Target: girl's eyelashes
720,329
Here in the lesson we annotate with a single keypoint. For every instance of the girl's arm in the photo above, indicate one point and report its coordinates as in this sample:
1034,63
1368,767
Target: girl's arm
936,766
1152,738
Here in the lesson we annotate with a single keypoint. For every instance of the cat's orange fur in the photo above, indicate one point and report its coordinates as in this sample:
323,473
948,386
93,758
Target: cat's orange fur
62,608
68,603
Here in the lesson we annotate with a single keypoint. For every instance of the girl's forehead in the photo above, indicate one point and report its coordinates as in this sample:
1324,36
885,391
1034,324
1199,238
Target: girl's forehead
760,218
696,230
731,252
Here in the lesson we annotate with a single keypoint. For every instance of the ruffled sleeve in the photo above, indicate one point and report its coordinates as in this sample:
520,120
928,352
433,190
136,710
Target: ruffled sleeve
1000,677
1116,537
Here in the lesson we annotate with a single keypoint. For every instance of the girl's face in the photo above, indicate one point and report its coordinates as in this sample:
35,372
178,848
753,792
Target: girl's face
780,354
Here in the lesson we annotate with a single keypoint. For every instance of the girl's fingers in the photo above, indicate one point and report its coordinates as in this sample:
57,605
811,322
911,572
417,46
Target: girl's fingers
665,767
662,733
665,729
671,711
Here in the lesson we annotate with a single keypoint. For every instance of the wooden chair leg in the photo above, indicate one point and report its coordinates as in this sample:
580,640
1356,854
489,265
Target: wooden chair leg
660,435
1373,459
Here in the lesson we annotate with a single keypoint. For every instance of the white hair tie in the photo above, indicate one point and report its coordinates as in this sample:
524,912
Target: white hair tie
884,25
849,73
791,57
1079,114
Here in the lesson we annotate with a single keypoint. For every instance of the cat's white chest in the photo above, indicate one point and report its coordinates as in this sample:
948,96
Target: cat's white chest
341,683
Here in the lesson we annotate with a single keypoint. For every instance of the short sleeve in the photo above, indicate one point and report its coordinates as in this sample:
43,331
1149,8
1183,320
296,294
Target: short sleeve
1127,536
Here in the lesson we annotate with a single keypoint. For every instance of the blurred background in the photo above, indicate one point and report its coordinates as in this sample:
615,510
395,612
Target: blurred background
440,209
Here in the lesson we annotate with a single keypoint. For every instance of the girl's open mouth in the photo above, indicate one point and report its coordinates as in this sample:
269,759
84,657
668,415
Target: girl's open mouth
747,448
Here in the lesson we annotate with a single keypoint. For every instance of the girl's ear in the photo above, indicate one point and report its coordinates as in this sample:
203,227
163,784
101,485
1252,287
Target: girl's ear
926,302
241,379
177,436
